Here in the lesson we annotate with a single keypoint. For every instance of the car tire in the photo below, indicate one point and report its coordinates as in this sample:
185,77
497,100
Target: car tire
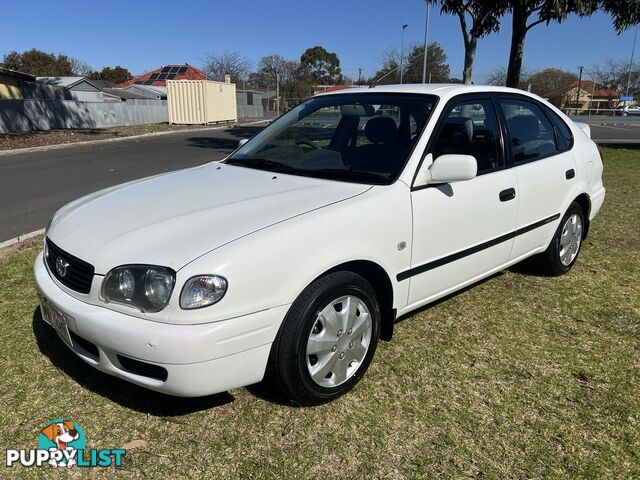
327,340
564,248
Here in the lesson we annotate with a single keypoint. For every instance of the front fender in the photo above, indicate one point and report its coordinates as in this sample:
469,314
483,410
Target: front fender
271,267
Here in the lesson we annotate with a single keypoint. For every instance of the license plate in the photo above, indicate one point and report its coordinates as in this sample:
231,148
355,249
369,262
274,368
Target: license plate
56,319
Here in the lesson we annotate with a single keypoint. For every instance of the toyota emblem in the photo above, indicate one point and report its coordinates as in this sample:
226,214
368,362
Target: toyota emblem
61,266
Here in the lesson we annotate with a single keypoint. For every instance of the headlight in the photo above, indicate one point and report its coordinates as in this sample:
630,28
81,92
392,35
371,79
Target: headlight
146,287
202,291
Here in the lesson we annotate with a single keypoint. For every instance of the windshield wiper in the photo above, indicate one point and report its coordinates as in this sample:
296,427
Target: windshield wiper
260,163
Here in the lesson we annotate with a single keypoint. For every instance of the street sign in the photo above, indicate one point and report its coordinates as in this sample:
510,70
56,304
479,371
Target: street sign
626,98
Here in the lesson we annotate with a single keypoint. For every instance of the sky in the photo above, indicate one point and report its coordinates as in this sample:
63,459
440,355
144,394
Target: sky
143,35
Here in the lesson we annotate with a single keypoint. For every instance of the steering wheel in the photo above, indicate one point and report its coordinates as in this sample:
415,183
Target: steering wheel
308,144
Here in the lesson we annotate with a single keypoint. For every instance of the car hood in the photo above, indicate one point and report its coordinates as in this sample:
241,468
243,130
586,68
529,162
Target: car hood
173,218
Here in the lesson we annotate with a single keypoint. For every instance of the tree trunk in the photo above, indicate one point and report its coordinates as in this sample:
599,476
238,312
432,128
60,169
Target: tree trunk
469,54
519,32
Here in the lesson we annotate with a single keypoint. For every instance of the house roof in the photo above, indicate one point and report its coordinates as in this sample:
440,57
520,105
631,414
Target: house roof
66,82
16,74
599,91
123,94
334,88
159,77
103,84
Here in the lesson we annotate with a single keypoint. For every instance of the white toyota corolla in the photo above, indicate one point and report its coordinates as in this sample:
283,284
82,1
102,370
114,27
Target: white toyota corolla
292,257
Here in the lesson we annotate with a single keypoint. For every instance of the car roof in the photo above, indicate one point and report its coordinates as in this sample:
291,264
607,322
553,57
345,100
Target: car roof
440,89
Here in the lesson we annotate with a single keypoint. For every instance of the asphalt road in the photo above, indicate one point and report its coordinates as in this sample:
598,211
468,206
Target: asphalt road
34,185
615,130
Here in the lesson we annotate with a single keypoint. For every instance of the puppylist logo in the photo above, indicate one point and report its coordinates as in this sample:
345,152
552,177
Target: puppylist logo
62,443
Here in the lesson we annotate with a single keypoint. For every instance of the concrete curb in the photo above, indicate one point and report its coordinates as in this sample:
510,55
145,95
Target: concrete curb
59,146
20,242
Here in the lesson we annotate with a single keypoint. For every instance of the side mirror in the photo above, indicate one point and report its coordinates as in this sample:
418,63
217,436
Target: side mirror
447,169
242,142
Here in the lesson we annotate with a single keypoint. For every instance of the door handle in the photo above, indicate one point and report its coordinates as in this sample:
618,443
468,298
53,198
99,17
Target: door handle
508,194
569,174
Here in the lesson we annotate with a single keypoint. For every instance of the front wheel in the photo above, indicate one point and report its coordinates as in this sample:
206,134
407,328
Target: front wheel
564,248
327,339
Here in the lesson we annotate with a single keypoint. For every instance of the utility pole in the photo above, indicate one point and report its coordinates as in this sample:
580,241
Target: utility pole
277,94
426,39
633,52
402,52
360,76
579,87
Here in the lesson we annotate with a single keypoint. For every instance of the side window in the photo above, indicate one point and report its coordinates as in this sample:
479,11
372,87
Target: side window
471,128
530,130
563,132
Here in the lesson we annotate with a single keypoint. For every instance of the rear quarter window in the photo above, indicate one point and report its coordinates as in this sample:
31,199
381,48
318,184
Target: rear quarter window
563,132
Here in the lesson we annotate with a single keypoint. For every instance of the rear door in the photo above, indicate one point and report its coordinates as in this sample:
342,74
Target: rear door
544,167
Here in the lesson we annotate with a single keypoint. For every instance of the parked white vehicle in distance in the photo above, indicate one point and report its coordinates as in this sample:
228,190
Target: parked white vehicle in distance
296,254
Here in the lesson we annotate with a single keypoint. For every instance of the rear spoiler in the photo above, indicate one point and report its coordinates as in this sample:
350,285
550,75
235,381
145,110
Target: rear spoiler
585,128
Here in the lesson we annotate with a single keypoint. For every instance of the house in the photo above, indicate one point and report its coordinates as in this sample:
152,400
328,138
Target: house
159,77
11,82
81,88
592,96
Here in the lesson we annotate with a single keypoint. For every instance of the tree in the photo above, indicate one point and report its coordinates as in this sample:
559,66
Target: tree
614,74
552,84
526,14
322,65
498,77
437,67
228,63
80,68
38,63
295,81
116,75
477,18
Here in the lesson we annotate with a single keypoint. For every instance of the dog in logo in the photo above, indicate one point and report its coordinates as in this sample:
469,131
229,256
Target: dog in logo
62,433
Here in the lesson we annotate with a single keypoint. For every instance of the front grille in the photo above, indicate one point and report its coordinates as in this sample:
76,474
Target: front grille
143,369
79,274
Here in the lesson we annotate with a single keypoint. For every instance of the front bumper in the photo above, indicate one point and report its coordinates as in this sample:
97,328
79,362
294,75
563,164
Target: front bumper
199,359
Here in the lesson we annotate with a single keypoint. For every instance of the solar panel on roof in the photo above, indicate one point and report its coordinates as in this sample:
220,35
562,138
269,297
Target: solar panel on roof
166,70
154,76
171,76
162,76
148,82
174,69
182,70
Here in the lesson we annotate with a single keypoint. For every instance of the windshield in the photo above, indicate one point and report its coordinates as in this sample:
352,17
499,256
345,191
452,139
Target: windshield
355,137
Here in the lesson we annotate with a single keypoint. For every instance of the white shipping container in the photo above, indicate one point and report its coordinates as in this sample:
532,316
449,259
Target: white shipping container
194,102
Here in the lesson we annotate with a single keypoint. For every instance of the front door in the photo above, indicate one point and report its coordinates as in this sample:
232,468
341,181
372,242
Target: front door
462,231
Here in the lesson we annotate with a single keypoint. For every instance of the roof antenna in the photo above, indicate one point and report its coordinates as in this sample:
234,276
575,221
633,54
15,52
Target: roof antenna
375,82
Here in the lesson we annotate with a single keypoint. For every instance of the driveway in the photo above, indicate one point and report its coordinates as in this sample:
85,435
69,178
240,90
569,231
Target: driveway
34,185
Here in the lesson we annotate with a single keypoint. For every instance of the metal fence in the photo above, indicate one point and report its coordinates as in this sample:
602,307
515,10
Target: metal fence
42,114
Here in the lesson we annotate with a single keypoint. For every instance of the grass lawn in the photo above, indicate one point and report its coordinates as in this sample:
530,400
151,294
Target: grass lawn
520,376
